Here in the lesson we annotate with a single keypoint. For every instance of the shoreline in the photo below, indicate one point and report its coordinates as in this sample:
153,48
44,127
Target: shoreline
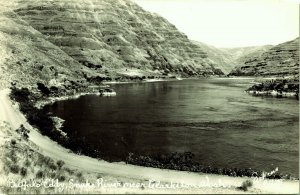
51,100
36,137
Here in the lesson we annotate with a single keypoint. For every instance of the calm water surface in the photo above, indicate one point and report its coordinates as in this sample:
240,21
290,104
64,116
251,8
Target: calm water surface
213,118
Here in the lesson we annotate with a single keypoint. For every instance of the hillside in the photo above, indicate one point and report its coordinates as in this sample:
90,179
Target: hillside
280,60
226,59
70,44
239,53
27,58
94,41
223,59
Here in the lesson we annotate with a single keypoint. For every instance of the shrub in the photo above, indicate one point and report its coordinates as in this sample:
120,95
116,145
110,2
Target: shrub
39,174
79,174
61,178
27,163
245,185
80,177
23,171
60,163
47,161
52,175
71,172
12,155
43,89
13,142
20,95
23,132
52,166
15,169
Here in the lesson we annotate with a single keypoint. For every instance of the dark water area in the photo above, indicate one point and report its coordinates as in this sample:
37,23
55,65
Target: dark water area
212,118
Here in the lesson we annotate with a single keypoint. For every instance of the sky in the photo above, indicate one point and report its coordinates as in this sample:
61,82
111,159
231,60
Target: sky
231,23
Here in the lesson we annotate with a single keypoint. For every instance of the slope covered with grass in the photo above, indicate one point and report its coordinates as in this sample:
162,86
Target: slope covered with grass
280,60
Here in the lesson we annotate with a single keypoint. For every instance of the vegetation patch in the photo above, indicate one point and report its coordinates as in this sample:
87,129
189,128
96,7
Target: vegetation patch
185,162
24,163
279,86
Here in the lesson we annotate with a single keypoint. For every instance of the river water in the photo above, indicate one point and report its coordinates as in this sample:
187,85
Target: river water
212,118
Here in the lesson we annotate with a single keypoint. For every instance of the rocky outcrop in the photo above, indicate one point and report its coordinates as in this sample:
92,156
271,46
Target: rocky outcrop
280,60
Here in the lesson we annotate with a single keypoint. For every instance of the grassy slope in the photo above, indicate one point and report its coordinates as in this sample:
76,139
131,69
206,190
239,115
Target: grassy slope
29,58
110,36
282,59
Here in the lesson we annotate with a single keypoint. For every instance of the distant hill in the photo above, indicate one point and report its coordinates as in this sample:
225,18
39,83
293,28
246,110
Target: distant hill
228,58
222,59
279,60
240,53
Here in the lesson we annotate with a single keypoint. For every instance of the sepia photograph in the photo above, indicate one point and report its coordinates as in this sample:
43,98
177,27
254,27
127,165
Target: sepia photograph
149,96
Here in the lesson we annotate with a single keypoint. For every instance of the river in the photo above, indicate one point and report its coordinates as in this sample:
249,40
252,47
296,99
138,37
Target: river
212,118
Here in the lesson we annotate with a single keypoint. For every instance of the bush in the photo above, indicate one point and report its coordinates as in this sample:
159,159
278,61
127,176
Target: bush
60,163
52,166
13,142
52,175
245,185
20,95
71,172
61,178
15,169
23,132
43,89
39,174
23,171
27,163
80,177
12,156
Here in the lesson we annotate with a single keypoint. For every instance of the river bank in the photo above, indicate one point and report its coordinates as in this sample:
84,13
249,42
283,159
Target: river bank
232,181
41,102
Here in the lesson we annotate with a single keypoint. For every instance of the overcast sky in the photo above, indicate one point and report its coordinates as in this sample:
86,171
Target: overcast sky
231,23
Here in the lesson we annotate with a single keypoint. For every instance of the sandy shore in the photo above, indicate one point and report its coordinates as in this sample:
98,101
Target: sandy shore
10,113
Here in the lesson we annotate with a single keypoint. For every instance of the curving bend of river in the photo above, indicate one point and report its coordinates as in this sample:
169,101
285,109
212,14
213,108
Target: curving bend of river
212,118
